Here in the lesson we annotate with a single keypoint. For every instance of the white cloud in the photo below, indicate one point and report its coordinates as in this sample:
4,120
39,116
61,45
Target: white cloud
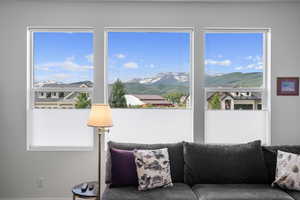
239,68
260,67
61,76
42,68
90,58
257,66
120,56
249,57
151,65
67,64
131,65
55,77
254,58
218,62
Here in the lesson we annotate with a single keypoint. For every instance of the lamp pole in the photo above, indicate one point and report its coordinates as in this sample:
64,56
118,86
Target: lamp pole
100,131
100,118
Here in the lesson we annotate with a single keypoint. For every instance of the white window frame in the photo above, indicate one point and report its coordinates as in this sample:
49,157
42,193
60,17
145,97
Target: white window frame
189,30
265,89
30,89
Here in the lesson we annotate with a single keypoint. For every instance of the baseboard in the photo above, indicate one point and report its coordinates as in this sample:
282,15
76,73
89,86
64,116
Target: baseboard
38,198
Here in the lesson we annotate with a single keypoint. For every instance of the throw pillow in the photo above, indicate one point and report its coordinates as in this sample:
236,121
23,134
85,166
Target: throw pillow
287,171
123,168
153,168
224,164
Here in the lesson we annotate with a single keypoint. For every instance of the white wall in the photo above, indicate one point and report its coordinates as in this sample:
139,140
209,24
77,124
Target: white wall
20,169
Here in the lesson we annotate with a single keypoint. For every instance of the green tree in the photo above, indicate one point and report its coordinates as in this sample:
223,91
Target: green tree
215,102
174,97
83,101
117,96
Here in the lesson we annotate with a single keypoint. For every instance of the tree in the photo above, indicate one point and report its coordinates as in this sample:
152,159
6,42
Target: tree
83,101
117,96
215,102
174,97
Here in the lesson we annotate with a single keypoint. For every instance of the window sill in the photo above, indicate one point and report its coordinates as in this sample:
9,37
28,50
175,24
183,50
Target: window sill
59,148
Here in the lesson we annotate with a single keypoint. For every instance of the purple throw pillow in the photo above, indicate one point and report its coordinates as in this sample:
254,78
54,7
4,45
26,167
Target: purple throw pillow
123,168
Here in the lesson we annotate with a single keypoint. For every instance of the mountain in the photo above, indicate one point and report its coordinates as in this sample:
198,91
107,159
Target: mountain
236,79
55,84
169,78
169,82
161,83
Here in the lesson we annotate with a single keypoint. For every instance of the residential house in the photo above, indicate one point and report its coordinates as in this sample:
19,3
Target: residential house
147,99
57,98
237,100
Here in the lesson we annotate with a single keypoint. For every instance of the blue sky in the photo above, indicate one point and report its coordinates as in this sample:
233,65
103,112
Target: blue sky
233,52
138,55
63,57
67,57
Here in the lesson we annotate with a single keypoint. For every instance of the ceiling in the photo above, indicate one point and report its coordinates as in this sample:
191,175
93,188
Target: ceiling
203,1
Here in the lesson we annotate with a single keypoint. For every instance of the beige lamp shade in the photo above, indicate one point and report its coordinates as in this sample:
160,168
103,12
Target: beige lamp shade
100,116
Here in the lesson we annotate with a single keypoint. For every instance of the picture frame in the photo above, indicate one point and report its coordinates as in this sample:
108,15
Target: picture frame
288,86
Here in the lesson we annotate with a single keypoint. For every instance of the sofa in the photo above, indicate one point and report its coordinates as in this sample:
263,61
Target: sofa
193,167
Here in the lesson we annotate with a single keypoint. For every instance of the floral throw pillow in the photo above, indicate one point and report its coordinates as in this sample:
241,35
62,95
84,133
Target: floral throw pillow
287,171
153,168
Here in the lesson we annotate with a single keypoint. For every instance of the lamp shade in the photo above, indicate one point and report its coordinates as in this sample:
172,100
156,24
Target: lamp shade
100,116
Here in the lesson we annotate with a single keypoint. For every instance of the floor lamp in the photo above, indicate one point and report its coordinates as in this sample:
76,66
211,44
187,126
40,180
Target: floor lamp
100,118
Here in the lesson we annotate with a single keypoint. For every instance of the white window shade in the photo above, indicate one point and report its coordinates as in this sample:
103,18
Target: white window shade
236,126
60,128
151,125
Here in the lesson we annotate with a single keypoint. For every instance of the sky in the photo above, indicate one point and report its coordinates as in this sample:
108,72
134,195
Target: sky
63,57
67,57
233,52
144,54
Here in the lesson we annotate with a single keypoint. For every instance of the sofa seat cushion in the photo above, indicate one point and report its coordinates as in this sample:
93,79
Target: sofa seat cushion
294,194
239,192
179,191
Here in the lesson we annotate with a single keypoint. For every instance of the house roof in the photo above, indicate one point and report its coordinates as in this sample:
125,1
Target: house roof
152,99
69,97
253,96
148,97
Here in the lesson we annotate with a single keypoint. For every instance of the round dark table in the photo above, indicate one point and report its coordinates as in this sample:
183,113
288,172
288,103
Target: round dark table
88,194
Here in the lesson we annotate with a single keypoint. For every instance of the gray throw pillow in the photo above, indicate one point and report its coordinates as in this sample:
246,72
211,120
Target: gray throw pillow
224,164
153,168
287,171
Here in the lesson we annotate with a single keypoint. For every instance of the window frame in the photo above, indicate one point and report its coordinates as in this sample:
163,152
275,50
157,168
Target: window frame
265,89
30,89
190,30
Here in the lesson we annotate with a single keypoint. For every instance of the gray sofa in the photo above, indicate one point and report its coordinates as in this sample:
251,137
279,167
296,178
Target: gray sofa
189,184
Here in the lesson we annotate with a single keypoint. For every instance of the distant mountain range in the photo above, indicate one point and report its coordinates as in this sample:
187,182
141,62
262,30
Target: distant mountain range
168,82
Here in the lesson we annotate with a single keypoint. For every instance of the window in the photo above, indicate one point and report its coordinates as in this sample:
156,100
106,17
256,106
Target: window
236,79
60,83
149,69
148,83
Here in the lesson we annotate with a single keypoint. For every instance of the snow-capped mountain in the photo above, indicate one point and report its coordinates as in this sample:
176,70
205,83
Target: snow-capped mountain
61,84
163,78
42,83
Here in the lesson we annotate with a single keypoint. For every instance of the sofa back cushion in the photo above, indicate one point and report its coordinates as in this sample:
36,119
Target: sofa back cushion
224,164
175,156
270,157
